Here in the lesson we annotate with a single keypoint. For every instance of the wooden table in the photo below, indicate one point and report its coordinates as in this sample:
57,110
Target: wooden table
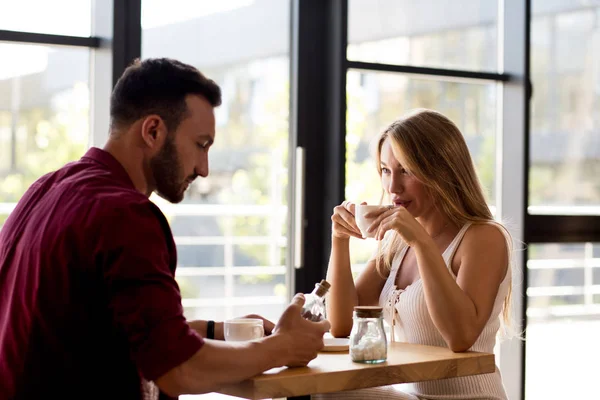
333,372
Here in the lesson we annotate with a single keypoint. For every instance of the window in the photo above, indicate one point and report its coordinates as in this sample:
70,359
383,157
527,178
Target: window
565,124
424,33
563,298
448,57
44,114
57,17
230,231
563,295
376,99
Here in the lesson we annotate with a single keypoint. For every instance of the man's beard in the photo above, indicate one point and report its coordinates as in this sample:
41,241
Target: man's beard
166,171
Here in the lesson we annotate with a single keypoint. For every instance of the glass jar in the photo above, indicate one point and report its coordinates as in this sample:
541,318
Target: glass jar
314,305
368,343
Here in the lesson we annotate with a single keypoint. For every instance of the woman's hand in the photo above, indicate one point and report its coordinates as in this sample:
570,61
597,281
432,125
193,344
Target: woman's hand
343,224
399,220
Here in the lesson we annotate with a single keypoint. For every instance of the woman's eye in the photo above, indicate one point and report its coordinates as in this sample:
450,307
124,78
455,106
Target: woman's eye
385,170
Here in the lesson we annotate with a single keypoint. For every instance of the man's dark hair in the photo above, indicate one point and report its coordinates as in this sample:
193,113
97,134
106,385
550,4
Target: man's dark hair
158,86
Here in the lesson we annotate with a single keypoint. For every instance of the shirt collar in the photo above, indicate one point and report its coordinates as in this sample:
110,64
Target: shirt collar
105,158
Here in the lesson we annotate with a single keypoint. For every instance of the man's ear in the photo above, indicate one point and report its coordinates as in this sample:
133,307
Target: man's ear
153,131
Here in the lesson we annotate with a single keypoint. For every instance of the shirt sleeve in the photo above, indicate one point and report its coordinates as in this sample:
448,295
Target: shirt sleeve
143,296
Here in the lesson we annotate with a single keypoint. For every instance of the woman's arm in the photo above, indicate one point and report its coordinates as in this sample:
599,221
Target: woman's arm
461,308
344,295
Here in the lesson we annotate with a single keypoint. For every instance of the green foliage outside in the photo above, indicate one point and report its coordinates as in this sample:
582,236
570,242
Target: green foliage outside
45,141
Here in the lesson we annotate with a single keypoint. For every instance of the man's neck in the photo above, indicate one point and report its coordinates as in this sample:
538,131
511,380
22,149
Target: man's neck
132,160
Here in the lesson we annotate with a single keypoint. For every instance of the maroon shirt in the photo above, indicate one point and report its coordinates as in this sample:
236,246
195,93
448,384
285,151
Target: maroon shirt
89,307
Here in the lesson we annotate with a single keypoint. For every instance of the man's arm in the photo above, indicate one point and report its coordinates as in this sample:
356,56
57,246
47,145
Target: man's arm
145,304
294,342
218,363
200,327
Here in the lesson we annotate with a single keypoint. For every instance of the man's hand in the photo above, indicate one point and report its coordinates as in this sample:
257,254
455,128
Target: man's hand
267,324
303,338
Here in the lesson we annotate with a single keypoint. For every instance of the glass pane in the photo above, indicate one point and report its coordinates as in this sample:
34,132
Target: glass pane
430,33
58,17
377,99
44,114
565,122
563,326
231,228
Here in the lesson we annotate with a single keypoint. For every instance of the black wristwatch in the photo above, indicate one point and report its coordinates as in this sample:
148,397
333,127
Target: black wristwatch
210,330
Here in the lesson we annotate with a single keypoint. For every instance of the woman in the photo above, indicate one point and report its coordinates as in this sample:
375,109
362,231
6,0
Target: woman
442,272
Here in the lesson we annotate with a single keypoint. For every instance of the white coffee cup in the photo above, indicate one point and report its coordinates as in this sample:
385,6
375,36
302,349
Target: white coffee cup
364,223
242,329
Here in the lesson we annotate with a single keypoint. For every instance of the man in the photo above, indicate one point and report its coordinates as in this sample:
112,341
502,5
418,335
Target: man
89,307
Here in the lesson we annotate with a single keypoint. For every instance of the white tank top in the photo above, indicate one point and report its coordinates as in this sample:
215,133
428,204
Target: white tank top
413,324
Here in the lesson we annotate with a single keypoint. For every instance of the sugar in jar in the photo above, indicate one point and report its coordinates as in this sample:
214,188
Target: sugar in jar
368,343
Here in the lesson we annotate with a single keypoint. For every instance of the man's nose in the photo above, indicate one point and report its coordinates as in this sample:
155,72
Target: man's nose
202,167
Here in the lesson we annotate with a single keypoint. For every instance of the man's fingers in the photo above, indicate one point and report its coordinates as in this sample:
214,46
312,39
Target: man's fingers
298,300
269,326
324,325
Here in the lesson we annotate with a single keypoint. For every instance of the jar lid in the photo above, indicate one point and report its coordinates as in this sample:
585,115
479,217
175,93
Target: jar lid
368,311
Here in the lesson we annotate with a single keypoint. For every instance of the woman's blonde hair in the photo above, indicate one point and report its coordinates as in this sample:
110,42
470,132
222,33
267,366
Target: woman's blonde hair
434,151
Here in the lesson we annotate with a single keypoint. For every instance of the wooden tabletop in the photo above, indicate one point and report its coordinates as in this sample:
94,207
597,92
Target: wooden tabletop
333,372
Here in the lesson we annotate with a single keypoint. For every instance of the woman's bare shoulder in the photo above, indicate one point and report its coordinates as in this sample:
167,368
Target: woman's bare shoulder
483,240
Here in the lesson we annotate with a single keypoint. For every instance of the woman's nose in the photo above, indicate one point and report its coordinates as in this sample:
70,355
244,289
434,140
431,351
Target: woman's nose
395,185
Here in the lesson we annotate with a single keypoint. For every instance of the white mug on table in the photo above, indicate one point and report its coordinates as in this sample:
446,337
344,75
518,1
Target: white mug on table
242,329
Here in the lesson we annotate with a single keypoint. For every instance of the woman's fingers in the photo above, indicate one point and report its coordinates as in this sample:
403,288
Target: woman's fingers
380,216
344,221
349,217
350,207
382,212
383,228
350,225
385,225
349,232
341,229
